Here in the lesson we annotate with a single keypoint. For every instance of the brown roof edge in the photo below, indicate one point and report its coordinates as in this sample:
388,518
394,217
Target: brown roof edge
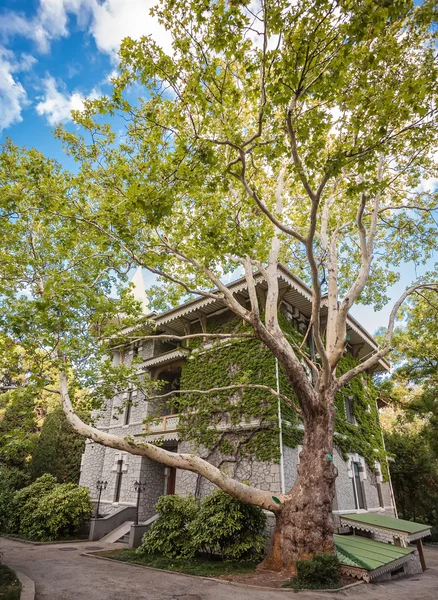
300,286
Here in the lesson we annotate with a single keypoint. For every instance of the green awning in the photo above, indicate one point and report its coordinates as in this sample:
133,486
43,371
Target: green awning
364,553
376,520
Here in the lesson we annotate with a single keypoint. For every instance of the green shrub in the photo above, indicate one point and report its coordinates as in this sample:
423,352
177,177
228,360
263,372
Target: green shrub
6,500
322,571
169,535
59,449
228,528
26,501
59,513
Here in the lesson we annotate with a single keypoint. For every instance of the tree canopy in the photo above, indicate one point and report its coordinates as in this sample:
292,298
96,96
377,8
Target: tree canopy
301,133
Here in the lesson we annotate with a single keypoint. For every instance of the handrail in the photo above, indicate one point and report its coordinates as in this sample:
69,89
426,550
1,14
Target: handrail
166,423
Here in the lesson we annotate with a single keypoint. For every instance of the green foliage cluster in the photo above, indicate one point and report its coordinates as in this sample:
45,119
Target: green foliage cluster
320,572
18,429
249,361
236,362
221,526
364,437
46,510
58,450
60,513
169,535
6,499
228,527
10,587
26,501
414,476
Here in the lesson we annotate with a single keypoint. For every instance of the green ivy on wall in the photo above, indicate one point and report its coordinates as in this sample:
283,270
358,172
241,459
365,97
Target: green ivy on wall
249,361
364,437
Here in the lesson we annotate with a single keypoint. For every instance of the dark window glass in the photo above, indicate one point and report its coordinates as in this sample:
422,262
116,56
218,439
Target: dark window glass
128,409
349,410
119,476
358,489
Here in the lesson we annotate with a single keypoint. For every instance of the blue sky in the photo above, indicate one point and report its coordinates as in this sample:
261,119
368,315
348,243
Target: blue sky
55,53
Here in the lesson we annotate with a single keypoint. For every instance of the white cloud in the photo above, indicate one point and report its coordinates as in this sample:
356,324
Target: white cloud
56,106
114,20
108,22
12,94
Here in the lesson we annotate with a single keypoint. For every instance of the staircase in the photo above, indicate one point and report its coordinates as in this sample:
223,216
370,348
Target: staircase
119,534
124,539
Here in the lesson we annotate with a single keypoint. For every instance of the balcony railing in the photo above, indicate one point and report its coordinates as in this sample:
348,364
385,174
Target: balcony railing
163,424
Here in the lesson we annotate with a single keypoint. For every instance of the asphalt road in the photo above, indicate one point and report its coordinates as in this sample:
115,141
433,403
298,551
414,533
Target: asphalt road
61,573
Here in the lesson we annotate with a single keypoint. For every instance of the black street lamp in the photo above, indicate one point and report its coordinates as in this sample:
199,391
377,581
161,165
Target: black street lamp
139,488
100,485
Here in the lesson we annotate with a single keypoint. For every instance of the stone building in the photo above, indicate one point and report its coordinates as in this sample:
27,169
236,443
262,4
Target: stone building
362,485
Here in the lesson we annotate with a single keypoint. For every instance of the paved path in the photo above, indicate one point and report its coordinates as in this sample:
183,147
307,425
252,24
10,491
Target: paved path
62,574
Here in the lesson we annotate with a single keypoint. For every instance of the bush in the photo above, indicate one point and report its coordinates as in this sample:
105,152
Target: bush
59,513
46,510
321,572
169,535
27,499
221,526
59,449
6,500
228,528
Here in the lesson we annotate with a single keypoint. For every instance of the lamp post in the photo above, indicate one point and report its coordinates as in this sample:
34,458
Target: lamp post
100,485
139,488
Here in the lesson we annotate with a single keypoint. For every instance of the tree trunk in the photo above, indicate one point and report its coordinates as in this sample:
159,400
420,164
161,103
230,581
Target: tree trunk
304,525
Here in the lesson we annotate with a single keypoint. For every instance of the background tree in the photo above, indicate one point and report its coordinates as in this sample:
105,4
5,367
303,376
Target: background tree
282,132
414,475
58,450
411,419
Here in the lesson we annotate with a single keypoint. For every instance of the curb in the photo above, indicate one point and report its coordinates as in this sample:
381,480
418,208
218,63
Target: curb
27,586
31,543
235,583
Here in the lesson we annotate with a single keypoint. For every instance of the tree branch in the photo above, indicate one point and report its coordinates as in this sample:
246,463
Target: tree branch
226,388
189,462
374,359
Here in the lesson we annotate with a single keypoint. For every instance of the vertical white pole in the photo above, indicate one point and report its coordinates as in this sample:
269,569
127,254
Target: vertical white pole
280,427
391,491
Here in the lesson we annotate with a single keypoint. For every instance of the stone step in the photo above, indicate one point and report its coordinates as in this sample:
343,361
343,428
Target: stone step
120,531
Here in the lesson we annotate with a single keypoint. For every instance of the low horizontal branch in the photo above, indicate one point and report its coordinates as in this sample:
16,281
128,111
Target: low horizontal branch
227,388
181,338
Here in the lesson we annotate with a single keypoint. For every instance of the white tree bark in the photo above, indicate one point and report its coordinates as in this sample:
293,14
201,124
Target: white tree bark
189,462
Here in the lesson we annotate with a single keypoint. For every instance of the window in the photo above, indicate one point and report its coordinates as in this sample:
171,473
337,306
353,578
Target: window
378,473
379,492
128,408
359,496
119,475
349,410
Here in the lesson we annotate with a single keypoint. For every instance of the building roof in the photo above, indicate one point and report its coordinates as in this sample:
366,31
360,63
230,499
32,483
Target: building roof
372,521
367,554
292,290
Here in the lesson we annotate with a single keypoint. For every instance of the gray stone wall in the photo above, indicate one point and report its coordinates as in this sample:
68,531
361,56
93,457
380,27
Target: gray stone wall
387,498
153,475
344,484
291,461
101,417
264,475
91,466
185,481
370,489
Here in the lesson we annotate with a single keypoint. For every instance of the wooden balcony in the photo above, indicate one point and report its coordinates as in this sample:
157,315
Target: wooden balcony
164,424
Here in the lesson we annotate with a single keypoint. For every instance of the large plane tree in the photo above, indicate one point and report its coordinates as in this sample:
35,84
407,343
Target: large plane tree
296,132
